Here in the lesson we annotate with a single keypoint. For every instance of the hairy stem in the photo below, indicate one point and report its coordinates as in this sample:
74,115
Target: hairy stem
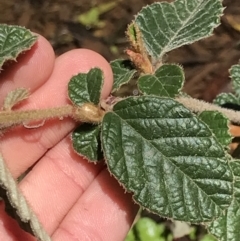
9,118
87,112
199,106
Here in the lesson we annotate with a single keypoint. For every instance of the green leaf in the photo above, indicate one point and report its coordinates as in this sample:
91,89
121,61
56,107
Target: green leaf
149,230
85,88
166,26
13,41
235,75
91,18
227,227
86,142
226,98
132,34
168,158
130,236
218,124
229,98
123,72
167,81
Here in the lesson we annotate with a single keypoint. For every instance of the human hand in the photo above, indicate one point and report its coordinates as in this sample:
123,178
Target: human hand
74,199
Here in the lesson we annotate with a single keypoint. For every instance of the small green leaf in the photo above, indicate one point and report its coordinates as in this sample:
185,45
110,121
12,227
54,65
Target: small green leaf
130,236
132,34
166,26
226,98
167,81
14,97
13,41
235,75
86,142
91,18
168,158
123,72
149,230
227,227
84,88
218,124
229,98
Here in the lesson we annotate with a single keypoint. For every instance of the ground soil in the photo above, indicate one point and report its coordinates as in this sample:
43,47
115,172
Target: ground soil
206,62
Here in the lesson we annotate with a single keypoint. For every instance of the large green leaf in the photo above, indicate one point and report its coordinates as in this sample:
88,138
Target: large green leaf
218,124
123,72
86,142
85,88
167,81
227,227
13,41
166,26
168,158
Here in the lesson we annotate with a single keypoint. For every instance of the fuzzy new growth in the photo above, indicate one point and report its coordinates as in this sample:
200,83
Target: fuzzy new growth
138,55
88,113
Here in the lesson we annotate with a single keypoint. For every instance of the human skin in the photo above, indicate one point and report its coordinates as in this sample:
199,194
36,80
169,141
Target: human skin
73,199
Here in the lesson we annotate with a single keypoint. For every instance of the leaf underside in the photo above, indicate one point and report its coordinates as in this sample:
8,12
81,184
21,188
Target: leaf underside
16,205
226,228
166,26
13,41
85,88
14,97
123,72
86,142
168,158
167,81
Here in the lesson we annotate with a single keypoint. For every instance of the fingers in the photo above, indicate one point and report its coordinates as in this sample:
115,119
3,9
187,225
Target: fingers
57,182
104,212
30,71
76,200
33,143
63,188
61,180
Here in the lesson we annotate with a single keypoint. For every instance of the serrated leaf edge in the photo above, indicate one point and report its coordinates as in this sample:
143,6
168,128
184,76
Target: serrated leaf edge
228,158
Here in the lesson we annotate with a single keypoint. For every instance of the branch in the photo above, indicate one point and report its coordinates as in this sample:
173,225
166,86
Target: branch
87,112
199,106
